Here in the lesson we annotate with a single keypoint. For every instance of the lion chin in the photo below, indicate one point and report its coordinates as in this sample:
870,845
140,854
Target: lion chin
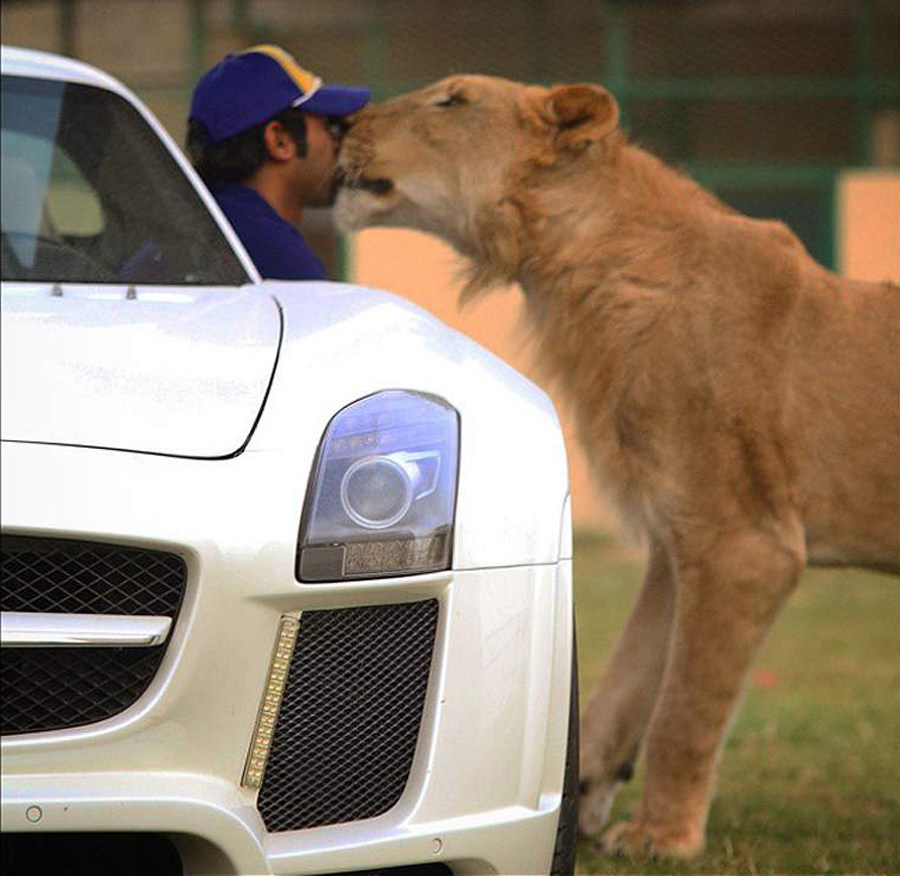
351,213
360,207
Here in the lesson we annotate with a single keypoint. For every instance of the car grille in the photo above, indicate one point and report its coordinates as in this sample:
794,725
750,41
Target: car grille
55,688
349,720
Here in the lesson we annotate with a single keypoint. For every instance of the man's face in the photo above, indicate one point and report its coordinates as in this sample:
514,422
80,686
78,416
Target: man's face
316,174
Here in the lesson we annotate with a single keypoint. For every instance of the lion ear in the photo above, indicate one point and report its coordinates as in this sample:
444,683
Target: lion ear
581,114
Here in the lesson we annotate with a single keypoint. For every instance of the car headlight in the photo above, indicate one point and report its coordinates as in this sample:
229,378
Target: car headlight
382,494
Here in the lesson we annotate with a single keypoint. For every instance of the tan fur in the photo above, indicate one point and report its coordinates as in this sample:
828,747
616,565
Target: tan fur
740,403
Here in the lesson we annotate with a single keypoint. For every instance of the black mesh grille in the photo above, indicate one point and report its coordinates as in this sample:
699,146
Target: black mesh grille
88,854
86,578
54,688
347,729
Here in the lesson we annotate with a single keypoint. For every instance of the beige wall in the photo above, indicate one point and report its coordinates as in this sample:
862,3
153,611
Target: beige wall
424,270
869,225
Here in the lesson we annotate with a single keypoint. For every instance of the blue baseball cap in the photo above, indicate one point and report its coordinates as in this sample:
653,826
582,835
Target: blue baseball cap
249,88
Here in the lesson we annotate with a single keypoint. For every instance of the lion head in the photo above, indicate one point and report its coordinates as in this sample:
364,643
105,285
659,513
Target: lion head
454,158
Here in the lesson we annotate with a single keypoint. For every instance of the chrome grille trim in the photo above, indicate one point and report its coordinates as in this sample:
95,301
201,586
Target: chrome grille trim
22,629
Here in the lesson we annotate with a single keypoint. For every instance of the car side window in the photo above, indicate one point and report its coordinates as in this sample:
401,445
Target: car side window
73,205
44,192
92,195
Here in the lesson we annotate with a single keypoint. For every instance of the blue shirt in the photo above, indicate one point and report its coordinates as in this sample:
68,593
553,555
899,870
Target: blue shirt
276,247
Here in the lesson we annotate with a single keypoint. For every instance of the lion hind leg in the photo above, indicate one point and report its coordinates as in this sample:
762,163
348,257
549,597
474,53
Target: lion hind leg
729,590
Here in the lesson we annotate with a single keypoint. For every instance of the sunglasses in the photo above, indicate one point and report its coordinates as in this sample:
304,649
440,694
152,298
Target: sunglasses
337,127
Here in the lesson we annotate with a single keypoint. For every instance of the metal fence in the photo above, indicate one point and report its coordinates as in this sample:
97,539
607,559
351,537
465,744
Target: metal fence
765,101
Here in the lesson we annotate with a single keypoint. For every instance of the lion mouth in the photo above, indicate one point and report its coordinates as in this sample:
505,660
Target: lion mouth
379,186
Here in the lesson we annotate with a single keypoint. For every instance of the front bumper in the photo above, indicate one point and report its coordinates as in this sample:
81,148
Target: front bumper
484,788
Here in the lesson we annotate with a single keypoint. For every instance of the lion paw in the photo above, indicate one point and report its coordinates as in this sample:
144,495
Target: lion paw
639,840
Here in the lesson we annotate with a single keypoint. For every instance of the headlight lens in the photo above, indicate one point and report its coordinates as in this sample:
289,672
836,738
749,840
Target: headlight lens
383,490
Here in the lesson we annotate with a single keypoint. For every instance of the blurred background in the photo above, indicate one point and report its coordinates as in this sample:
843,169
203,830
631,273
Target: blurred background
787,110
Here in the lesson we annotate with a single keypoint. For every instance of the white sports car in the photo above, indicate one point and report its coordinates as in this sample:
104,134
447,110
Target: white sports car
286,566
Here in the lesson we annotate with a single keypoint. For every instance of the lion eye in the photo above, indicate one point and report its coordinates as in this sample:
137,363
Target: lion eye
451,100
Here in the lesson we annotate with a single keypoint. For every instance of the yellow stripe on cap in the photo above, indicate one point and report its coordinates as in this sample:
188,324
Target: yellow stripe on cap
307,82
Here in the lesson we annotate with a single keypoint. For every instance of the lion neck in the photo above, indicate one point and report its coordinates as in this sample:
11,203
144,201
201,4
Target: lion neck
582,228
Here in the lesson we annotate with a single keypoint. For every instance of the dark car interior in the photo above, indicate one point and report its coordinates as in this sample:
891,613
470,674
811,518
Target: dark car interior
90,195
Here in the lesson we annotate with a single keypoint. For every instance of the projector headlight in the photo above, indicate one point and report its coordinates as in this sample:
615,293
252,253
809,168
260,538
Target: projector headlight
383,490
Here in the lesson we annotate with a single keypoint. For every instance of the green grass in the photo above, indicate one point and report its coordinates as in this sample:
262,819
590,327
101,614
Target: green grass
810,778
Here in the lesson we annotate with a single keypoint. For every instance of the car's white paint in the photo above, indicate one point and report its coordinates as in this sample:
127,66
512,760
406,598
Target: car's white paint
484,792
186,373
175,371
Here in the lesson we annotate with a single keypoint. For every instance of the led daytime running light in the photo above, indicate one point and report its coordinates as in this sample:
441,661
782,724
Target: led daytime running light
261,743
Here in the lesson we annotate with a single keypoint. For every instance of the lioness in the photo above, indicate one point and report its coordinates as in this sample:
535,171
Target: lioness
740,403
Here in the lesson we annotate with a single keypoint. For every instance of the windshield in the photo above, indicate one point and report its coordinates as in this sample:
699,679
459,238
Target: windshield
91,195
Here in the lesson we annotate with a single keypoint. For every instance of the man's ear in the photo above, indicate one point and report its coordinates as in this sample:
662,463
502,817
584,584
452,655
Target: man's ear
280,145
577,114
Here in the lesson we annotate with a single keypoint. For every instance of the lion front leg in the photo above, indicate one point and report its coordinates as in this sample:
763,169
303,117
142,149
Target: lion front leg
729,590
616,717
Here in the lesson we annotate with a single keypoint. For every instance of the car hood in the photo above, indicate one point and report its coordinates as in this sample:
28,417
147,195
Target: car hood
167,371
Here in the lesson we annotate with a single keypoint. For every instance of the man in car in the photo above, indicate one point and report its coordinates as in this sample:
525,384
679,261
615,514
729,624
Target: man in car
264,135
